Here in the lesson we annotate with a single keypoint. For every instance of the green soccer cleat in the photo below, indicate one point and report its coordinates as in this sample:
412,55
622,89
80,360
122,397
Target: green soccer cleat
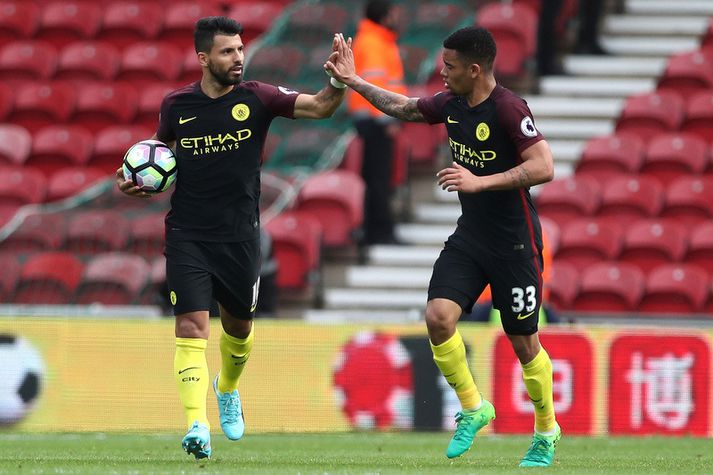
542,450
468,424
231,412
197,441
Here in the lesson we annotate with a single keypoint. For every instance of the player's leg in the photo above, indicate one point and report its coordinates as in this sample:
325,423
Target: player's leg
455,282
190,290
517,293
236,287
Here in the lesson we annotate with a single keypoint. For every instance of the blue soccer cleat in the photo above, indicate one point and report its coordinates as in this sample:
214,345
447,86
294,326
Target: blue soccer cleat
197,441
231,412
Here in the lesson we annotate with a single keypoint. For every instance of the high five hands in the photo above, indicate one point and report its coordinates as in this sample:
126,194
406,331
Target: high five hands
459,178
340,64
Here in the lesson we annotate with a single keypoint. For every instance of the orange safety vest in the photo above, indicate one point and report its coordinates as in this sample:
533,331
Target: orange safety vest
377,60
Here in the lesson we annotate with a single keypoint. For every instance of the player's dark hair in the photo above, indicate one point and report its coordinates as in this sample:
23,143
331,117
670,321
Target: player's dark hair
377,10
474,44
208,27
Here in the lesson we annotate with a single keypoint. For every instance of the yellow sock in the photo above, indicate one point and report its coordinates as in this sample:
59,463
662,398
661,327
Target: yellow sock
234,354
538,381
451,360
191,371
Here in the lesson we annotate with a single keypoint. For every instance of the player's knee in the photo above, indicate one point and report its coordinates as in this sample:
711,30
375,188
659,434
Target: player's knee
438,319
192,325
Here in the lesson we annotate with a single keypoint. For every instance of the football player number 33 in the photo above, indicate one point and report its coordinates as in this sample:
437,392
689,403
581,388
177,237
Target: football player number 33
524,299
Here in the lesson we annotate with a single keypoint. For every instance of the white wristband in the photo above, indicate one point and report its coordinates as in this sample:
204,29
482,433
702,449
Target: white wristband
336,83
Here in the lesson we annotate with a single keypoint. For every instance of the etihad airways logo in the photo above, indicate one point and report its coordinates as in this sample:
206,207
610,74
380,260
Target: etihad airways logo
464,153
215,143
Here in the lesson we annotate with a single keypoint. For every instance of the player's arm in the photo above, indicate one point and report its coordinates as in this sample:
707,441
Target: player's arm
319,106
128,187
341,66
537,167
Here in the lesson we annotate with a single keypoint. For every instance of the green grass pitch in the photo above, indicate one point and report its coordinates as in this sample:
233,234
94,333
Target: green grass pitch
354,453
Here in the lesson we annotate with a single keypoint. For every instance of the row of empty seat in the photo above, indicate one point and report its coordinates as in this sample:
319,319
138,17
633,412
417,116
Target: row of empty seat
61,277
673,289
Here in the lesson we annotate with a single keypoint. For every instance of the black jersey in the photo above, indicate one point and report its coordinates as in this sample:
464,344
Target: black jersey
487,139
219,146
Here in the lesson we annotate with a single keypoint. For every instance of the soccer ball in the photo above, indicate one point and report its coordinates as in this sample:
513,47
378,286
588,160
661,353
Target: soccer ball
151,165
21,373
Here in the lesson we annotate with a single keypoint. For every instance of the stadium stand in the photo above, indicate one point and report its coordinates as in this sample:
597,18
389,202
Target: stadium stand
49,278
688,200
20,186
180,19
38,232
586,241
675,289
27,60
296,240
88,61
563,285
626,198
65,21
96,231
147,235
9,276
671,155
15,144
18,20
101,105
65,182
336,199
130,21
700,246
139,60
113,279
39,104
255,17
610,287
652,242
611,155
59,146
699,115
688,73
6,101
648,114
568,198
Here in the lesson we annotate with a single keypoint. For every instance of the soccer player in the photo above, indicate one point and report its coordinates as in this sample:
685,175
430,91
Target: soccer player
498,153
218,127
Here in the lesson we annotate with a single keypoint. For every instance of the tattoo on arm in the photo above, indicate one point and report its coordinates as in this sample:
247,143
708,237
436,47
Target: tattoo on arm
391,103
519,177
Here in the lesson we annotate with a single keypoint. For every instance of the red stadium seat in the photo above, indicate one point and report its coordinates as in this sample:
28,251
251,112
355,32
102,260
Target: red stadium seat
688,73
689,200
255,17
19,19
113,278
651,113
15,144
649,243
10,274
604,157
353,155
610,287
20,186
700,246
149,62
60,146
28,60
49,278
70,181
275,64
565,199
586,241
313,23
336,198
180,20
147,234
88,61
192,70
65,21
423,140
563,285
675,289
296,240
37,232
101,105
699,115
112,143
551,234
673,154
96,231
7,99
150,99
629,197
126,22
39,104
514,28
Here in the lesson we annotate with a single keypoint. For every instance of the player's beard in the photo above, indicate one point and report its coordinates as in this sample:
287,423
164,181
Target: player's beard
223,77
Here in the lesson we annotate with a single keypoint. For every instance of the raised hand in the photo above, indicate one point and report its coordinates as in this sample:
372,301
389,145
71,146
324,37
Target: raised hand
340,64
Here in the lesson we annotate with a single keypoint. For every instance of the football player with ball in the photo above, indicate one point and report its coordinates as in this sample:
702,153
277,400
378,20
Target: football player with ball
217,128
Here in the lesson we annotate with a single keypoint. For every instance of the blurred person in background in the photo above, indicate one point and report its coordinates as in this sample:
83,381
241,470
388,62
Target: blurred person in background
217,128
377,59
498,153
